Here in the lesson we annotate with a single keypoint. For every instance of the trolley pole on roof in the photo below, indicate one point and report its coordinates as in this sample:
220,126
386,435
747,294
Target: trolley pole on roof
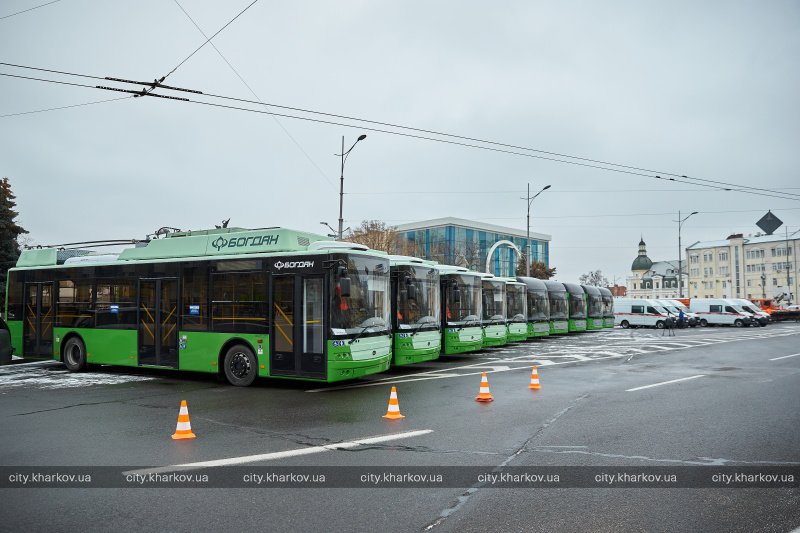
528,254
341,183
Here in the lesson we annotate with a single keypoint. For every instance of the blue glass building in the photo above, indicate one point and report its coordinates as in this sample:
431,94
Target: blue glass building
456,241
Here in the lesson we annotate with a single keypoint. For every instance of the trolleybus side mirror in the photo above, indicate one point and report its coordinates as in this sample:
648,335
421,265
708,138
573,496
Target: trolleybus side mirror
344,287
456,293
411,290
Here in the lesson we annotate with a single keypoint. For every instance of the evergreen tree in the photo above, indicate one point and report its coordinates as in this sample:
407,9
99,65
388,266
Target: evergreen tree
9,233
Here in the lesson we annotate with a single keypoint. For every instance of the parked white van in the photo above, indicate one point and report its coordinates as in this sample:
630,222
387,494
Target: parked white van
633,312
719,312
675,307
760,315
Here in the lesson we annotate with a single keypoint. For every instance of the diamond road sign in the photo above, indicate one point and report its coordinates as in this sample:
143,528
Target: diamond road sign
769,223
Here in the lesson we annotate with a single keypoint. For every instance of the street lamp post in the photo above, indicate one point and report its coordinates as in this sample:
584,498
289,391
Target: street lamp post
530,199
341,182
680,222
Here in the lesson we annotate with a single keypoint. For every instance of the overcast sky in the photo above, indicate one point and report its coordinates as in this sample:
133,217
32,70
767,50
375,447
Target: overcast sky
707,89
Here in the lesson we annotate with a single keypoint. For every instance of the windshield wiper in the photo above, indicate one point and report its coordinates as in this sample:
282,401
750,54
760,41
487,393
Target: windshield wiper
468,324
429,323
354,339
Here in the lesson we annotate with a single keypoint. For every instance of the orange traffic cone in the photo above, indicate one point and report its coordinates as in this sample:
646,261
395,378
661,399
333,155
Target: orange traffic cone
393,412
534,379
483,394
184,429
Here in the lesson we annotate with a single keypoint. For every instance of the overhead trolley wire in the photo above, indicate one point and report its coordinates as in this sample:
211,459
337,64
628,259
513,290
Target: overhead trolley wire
29,9
624,169
208,40
278,122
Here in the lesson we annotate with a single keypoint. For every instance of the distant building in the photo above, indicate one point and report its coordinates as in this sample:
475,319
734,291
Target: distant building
651,280
456,241
618,290
757,266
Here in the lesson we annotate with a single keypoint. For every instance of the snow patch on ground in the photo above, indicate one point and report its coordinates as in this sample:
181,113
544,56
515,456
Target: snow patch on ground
52,375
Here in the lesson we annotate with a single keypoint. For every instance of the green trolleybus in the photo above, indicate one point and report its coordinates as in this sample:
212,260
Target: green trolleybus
577,307
538,307
594,307
494,310
461,310
608,308
244,303
516,310
416,310
559,307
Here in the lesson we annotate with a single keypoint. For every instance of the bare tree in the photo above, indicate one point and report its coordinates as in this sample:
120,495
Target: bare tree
375,234
594,278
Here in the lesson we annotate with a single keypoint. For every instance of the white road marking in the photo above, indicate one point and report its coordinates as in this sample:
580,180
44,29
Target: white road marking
282,455
785,357
665,383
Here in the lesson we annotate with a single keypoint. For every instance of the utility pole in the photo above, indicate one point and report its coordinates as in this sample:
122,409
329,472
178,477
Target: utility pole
341,183
680,253
528,232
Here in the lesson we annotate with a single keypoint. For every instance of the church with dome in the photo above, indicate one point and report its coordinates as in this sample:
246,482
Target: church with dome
651,280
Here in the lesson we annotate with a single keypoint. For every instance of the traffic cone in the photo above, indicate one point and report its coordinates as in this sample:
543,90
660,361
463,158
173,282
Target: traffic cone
534,379
483,394
393,413
184,429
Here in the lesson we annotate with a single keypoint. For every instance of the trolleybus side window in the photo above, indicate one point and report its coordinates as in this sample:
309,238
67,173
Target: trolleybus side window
194,313
14,296
116,304
75,307
239,302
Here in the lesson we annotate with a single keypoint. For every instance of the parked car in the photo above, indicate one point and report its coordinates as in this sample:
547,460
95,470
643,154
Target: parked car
674,308
719,312
5,344
761,318
634,312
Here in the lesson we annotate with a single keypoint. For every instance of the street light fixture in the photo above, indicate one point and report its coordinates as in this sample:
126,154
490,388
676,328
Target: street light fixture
530,200
344,155
333,231
680,222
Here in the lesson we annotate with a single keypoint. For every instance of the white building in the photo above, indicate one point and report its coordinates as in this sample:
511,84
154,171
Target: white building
752,267
654,280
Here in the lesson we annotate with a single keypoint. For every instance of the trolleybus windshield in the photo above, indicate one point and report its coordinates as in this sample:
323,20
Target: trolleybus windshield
494,302
463,300
366,309
517,298
538,305
558,304
577,305
423,309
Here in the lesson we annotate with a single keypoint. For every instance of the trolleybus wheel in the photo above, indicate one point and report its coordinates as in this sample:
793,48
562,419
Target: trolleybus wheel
241,366
625,324
74,355
703,322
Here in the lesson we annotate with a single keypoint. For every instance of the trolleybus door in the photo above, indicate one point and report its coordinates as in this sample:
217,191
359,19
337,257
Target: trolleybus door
298,326
158,322
38,321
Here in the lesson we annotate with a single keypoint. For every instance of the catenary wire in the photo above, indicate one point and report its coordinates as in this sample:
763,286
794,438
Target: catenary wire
278,122
64,107
736,188
29,9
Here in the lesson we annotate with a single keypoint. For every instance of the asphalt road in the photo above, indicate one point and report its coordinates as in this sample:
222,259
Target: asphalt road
724,397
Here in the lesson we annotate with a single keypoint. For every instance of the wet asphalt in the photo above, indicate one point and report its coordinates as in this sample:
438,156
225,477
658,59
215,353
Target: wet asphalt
743,410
